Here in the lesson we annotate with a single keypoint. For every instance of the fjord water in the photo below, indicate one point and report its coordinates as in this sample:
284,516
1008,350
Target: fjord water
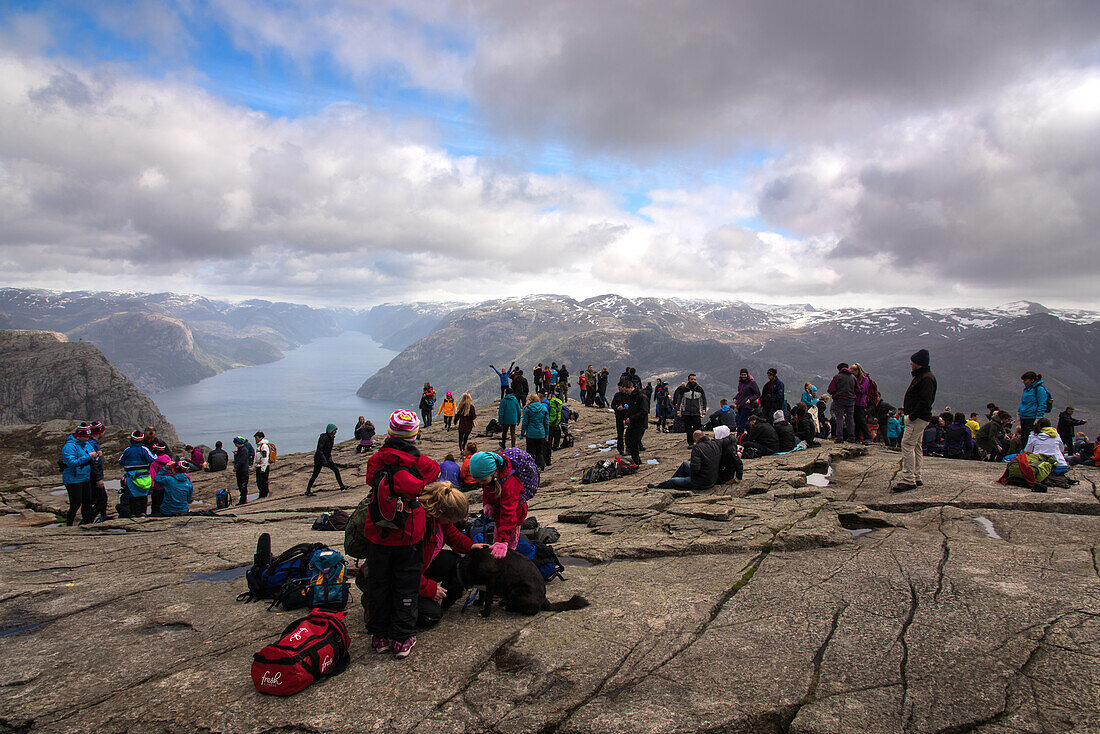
291,400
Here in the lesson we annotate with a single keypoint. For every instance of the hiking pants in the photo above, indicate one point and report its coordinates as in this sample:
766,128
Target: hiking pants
743,415
680,479
81,499
633,436
537,448
138,505
692,423
261,480
242,487
1025,427
760,448
426,417
504,435
555,436
590,395
502,389
844,409
318,465
447,421
911,455
393,589
463,437
863,431
620,427
157,496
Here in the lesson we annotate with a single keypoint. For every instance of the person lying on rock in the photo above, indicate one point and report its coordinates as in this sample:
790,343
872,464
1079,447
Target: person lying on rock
712,461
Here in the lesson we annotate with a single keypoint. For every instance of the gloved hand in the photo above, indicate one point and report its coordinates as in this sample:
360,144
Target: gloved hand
499,550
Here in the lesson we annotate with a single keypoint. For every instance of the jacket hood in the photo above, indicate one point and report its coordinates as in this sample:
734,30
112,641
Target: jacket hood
1049,431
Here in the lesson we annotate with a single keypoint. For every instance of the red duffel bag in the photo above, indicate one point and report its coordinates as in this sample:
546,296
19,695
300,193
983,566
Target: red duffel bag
315,646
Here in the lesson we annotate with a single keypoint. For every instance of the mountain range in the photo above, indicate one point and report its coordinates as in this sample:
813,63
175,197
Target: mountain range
978,353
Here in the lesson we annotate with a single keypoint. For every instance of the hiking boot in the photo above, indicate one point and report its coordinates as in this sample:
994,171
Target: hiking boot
902,487
401,650
241,501
920,483
309,493
381,644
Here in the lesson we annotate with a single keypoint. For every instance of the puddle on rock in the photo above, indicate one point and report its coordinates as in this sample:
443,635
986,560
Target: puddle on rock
987,525
112,484
59,492
116,531
10,629
226,574
817,480
8,547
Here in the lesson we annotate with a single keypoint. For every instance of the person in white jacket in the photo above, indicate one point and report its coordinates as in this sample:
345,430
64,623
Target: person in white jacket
261,463
1045,440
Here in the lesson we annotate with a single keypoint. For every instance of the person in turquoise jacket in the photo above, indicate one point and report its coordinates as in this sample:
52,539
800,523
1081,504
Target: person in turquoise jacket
536,429
508,416
895,427
78,456
1033,402
178,490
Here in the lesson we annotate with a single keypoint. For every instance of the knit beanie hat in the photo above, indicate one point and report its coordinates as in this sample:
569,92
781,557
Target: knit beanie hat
184,465
330,428
239,440
83,432
921,358
779,415
721,431
484,463
404,424
160,448
137,437
98,428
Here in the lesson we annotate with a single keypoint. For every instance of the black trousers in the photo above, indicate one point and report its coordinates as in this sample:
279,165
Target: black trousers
157,496
426,417
555,436
447,421
863,431
620,428
138,505
692,423
318,465
261,480
100,493
444,571
537,448
462,439
504,435
393,589
633,436
81,500
242,487
502,389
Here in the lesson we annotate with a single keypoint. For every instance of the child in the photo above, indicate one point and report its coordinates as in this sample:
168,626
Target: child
395,556
135,461
448,411
501,499
440,585
178,490
427,402
162,460
467,417
449,470
894,429
364,432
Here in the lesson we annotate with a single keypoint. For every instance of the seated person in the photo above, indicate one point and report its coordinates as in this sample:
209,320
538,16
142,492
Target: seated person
761,436
724,416
803,424
217,459
933,440
991,439
784,431
178,490
449,470
712,460
958,439
1043,439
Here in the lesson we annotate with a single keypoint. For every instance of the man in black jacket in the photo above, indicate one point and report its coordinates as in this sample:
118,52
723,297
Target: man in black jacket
691,401
1066,424
709,457
217,459
619,403
601,387
761,436
636,416
242,466
918,414
520,388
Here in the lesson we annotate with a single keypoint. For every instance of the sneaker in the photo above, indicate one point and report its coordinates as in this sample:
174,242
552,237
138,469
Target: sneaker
401,650
902,487
380,644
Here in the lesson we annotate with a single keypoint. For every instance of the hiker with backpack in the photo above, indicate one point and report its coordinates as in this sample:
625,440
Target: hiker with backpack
502,375
746,400
554,410
243,457
691,401
466,417
1043,439
509,413
77,457
322,458
843,388
536,429
773,395
635,413
264,456
1034,402
502,498
427,404
394,529
865,397
917,407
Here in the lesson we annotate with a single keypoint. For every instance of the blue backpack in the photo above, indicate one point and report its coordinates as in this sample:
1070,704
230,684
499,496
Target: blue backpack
305,575
481,530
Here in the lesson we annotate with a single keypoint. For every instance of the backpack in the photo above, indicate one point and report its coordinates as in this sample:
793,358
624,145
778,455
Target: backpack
872,392
555,411
525,470
337,520
603,470
1028,470
625,468
1050,401
269,573
221,499
543,556
388,510
492,427
567,441
315,646
272,453
324,584
355,542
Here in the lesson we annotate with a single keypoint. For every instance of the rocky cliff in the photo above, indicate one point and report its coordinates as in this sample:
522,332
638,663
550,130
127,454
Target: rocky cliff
43,377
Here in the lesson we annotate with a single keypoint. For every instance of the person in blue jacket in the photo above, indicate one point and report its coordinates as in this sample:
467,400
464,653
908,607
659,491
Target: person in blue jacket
99,489
178,490
508,415
136,482
773,395
504,376
78,457
1033,402
536,429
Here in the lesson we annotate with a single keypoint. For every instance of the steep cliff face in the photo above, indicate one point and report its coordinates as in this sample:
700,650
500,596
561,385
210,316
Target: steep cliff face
43,377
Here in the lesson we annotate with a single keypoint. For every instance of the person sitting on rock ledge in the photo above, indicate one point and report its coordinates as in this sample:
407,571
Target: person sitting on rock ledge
162,459
177,487
992,438
958,440
217,459
784,431
761,436
712,461
1043,439
803,424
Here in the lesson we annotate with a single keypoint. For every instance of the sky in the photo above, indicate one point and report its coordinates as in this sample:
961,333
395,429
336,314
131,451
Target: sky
849,153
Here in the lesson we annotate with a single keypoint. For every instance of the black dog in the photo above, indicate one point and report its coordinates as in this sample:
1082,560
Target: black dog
515,578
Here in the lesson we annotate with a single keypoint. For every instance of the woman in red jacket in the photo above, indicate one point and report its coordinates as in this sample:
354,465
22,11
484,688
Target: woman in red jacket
440,585
502,499
398,474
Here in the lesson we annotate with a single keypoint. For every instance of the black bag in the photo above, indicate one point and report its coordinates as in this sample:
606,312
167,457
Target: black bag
677,425
748,452
337,521
567,441
270,573
604,470
492,428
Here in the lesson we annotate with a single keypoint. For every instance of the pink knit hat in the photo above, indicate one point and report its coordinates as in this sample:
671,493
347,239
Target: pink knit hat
404,424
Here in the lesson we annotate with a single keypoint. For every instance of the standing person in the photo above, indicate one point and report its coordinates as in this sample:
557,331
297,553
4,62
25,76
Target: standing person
1034,402
364,432
536,429
502,375
263,461
773,396
554,409
918,414
427,404
843,389
242,467
551,376
520,388
136,482
397,473
99,489
151,438
582,386
601,386
863,403
448,411
664,408
746,399
1066,424
636,418
563,383
537,374
691,400
620,403
508,416
591,386
78,456
322,457
467,416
